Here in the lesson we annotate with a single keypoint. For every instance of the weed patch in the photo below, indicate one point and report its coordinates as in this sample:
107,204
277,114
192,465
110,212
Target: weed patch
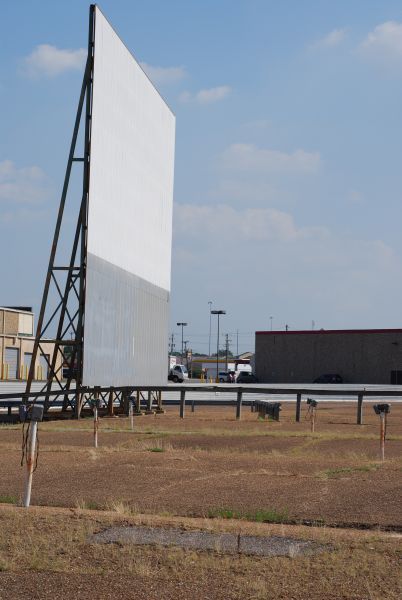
333,473
89,505
259,516
8,499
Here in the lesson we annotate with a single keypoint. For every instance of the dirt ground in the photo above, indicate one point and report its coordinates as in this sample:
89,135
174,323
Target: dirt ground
209,464
47,554
206,472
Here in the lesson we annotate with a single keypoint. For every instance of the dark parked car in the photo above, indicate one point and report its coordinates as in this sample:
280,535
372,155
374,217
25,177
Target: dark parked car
246,377
329,378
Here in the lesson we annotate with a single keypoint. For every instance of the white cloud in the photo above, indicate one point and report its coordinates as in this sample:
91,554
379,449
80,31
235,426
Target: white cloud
163,75
245,224
383,45
49,61
332,39
21,186
248,157
250,259
207,96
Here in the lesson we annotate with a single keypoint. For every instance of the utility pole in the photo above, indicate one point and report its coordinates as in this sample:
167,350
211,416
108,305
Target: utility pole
182,325
218,313
237,343
227,342
185,352
209,339
172,344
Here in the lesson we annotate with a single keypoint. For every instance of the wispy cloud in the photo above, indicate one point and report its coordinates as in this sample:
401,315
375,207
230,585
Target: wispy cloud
332,39
163,75
21,186
206,96
49,61
240,224
293,258
248,157
383,45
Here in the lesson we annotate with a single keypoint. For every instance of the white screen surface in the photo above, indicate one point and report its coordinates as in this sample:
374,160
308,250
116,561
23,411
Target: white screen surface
132,164
129,235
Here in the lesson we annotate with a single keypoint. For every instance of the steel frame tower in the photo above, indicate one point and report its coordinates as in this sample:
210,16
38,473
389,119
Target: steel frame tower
68,281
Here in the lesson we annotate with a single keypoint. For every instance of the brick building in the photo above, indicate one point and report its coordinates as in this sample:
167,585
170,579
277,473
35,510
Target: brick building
357,355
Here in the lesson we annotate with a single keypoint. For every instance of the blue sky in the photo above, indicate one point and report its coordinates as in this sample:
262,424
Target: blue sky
288,153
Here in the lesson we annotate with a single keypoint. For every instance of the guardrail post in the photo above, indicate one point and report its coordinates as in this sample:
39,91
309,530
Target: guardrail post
137,402
238,405
110,407
160,406
182,403
149,410
360,409
298,408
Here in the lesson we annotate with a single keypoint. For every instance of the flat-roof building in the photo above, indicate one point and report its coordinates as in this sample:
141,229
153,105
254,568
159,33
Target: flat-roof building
16,345
357,355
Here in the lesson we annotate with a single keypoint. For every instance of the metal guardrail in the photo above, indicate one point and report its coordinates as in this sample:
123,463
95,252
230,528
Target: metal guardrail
12,399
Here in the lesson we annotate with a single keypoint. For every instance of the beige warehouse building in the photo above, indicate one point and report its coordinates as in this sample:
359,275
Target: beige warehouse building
16,345
357,355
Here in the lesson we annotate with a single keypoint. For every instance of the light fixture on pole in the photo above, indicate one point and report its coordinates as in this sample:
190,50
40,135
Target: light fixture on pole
209,339
217,312
182,325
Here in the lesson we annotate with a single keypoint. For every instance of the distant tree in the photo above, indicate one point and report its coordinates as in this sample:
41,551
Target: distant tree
222,353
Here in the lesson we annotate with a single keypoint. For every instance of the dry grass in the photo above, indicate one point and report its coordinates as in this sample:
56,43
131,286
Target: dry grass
54,541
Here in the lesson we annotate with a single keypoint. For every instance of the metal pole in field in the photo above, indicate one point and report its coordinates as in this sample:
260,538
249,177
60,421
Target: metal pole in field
382,435
31,448
130,413
382,410
96,419
313,419
312,407
36,414
96,424
298,408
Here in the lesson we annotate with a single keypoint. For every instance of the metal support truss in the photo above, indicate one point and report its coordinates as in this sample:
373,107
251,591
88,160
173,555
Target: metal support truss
66,318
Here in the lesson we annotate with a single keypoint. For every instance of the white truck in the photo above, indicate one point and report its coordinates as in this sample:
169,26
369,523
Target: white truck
178,374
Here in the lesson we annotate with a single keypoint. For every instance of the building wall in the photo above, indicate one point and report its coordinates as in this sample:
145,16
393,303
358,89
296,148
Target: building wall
24,345
16,322
365,356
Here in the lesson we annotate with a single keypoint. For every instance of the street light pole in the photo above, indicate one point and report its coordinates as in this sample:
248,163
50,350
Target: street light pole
209,341
217,312
182,325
